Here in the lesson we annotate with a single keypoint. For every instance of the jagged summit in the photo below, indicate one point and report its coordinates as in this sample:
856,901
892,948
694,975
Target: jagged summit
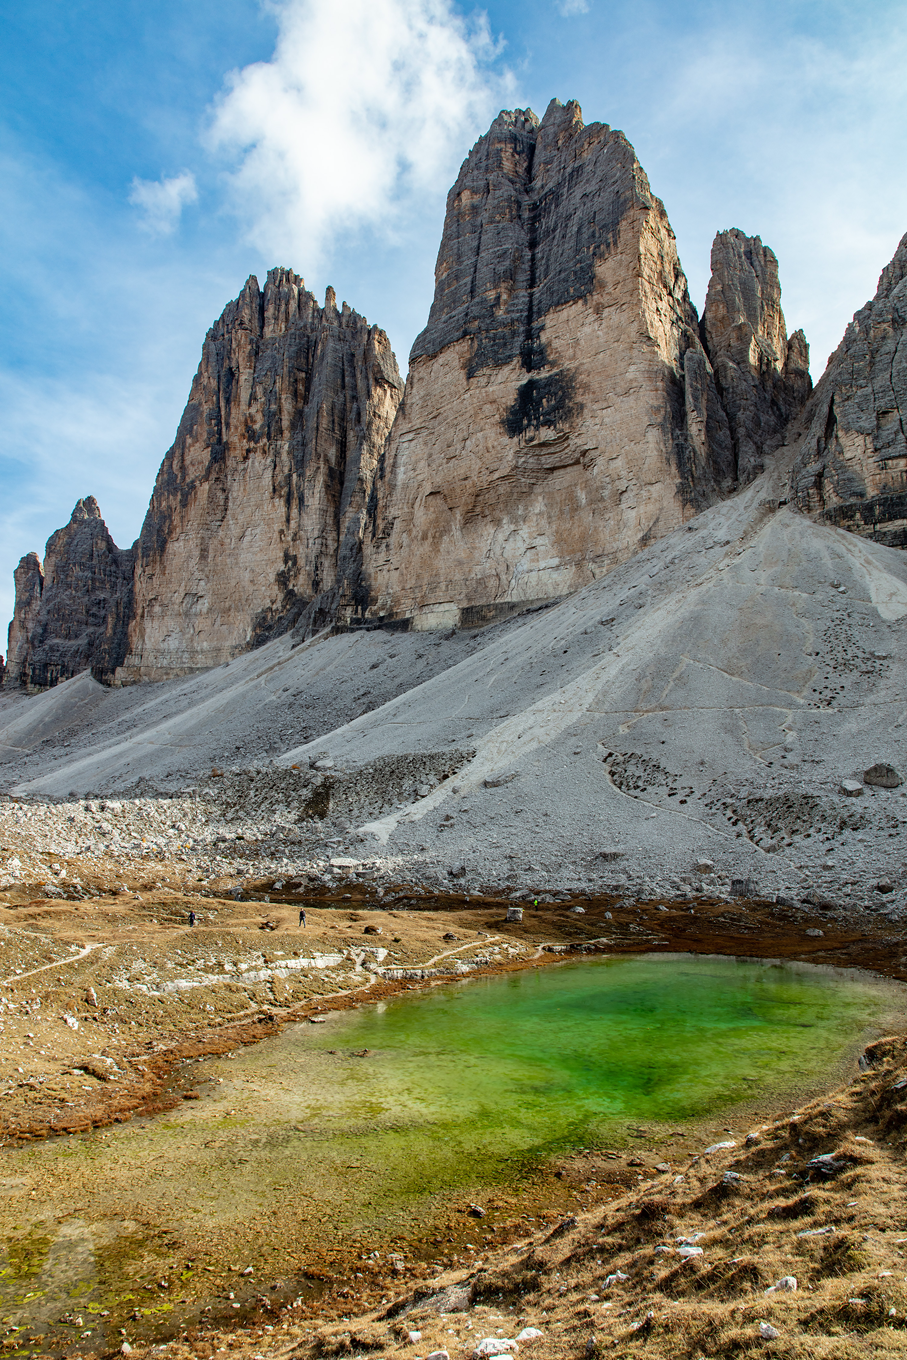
851,468
73,610
565,408
255,517
560,409
762,376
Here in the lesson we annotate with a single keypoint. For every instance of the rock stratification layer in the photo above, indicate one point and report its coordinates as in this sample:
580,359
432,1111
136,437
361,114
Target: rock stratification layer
560,411
851,468
762,376
255,518
72,613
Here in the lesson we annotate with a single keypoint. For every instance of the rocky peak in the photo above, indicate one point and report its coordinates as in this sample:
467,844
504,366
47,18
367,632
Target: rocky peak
255,519
560,410
72,611
851,464
762,377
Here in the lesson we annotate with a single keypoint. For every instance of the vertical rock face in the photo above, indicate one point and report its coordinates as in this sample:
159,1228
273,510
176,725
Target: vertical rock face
255,519
763,378
29,582
71,614
851,467
560,410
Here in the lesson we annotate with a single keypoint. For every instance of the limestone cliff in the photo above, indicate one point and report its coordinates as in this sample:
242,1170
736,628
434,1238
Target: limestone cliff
560,411
71,614
851,466
762,376
255,519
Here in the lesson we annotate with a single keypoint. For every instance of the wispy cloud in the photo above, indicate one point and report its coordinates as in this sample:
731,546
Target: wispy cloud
363,109
570,7
790,138
162,201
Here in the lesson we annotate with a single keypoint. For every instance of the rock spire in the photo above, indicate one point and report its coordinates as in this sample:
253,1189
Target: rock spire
762,376
851,465
560,410
255,519
72,611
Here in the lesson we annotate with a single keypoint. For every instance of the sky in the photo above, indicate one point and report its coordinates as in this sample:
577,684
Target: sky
153,156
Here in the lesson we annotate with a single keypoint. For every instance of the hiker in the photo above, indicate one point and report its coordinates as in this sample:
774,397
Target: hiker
192,918
302,916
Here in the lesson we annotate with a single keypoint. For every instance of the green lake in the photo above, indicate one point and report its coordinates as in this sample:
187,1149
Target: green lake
361,1129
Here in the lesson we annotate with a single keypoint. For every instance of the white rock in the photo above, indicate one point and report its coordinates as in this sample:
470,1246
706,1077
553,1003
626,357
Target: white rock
689,1251
720,1147
768,1332
438,1355
494,1345
786,1285
415,1336
527,1334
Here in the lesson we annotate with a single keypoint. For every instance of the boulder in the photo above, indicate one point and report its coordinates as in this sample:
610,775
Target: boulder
882,776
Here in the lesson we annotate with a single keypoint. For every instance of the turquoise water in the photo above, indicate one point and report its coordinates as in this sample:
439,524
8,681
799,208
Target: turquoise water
300,1146
559,1055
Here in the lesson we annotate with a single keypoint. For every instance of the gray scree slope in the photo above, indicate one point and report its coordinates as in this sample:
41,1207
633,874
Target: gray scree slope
704,700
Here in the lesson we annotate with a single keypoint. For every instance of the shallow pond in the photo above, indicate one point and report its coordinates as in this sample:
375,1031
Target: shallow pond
360,1129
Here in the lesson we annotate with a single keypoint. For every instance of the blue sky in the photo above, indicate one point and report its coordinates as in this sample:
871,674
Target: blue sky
153,156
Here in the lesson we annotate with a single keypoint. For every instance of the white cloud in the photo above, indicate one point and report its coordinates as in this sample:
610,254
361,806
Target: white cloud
363,110
570,7
162,201
792,137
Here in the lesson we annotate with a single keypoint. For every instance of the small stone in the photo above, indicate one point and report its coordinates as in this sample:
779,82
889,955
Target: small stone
438,1355
326,763
527,1334
125,1349
91,997
705,866
786,1285
494,1345
720,1147
814,932
514,913
825,1165
687,1252
415,1336
884,885
768,1332
476,1211
423,790
498,780
610,855
577,911
882,776
372,930
851,788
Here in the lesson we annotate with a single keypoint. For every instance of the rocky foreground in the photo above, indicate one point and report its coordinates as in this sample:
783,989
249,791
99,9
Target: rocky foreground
785,1235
